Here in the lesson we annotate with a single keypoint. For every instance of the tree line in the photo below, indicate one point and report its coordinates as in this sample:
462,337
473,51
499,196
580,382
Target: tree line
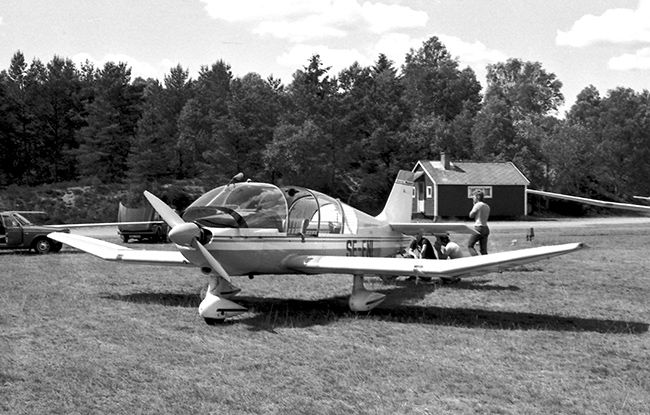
345,134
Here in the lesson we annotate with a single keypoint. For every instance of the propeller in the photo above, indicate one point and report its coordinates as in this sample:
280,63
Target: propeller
185,233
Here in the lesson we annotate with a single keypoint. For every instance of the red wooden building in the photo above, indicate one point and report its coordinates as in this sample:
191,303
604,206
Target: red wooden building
444,188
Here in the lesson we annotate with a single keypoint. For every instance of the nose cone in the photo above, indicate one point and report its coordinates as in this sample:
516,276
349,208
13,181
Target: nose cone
184,233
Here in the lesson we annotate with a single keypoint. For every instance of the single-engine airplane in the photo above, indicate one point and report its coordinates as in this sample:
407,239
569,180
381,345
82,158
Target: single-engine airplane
249,228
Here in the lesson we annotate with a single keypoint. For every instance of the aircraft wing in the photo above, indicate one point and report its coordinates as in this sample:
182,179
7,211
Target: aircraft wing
411,228
454,268
103,224
602,203
113,252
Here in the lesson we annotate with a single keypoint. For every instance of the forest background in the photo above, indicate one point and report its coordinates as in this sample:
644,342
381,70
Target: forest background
74,141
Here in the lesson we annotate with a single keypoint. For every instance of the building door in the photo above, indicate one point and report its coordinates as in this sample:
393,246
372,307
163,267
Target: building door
421,197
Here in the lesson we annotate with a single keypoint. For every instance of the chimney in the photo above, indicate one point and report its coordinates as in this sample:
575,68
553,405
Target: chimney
445,160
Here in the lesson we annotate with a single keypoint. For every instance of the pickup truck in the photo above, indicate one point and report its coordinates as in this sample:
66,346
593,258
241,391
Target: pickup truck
17,232
152,226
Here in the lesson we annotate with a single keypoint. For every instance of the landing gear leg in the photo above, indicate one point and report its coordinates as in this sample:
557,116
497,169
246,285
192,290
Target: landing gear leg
216,306
362,299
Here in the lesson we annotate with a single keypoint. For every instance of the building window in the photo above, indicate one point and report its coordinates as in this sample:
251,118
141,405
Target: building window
429,192
487,191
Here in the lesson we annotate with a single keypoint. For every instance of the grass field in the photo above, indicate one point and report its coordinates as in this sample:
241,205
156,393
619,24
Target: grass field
568,335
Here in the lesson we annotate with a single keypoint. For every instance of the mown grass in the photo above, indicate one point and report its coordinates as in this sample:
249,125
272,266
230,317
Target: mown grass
568,335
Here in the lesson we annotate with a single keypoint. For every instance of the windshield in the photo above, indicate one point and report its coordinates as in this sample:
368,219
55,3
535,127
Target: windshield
244,205
290,209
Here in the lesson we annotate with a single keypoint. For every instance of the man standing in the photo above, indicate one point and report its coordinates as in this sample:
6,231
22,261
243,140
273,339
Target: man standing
480,212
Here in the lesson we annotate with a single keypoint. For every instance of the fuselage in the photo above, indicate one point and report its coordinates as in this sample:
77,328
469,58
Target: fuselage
252,228
250,255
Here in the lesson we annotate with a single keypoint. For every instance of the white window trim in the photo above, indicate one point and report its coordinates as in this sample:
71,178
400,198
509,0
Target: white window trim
487,191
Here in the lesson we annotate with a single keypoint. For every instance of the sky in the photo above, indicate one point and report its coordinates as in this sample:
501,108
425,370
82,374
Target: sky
604,43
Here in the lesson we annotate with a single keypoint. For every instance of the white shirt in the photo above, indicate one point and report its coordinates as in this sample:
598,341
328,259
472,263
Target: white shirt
452,250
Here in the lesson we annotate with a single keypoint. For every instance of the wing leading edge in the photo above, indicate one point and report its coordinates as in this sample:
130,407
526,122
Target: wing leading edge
104,224
113,252
601,203
456,268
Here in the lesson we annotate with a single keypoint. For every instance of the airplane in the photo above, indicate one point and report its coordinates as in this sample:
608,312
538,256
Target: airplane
594,202
253,228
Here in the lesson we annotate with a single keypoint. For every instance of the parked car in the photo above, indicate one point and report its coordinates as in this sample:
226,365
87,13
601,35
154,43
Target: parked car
153,227
17,232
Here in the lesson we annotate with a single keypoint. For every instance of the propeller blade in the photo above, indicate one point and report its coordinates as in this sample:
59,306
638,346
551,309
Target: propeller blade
184,233
163,210
214,264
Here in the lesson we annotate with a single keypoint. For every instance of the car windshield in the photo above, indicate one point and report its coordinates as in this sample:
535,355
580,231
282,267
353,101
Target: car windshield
22,221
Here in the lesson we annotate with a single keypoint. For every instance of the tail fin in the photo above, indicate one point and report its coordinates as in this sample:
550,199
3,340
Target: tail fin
399,205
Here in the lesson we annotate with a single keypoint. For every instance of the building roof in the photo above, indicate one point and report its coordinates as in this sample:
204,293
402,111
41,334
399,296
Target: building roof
467,173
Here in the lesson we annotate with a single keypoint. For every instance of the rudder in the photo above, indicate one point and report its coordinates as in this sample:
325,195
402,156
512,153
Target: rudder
399,206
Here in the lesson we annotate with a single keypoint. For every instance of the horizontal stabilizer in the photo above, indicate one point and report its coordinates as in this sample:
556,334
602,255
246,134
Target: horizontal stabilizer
113,252
412,228
453,268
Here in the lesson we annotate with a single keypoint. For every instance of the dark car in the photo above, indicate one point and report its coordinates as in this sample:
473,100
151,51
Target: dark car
17,232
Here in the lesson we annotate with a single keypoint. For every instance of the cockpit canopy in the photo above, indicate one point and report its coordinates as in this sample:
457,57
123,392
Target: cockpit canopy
290,210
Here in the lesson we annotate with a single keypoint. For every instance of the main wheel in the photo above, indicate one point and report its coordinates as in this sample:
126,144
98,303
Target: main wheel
125,238
43,246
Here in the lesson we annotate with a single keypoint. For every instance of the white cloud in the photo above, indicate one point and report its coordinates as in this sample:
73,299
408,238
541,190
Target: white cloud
254,10
384,18
142,69
472,54
300,20
629,61
475,55
613,26
299,31
168,63
395,46
338,59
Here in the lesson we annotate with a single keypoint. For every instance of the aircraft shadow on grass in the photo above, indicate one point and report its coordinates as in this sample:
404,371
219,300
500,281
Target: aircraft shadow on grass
471,285
271,313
